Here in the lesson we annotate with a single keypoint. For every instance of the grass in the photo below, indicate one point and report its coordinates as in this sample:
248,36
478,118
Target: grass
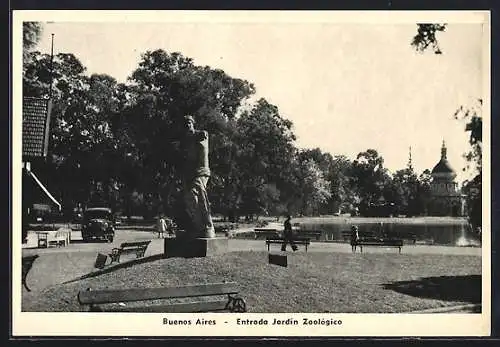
312,282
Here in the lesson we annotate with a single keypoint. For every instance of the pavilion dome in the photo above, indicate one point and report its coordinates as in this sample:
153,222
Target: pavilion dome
443,166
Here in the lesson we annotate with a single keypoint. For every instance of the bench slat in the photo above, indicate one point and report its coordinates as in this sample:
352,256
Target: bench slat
129,250
299,242
295,239
139,294
388,243
380,244
199,306
134,244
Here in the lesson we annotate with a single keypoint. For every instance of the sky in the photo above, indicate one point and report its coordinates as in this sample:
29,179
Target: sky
346,86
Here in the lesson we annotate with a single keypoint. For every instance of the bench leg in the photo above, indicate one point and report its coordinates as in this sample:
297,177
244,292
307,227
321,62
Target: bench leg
114,257
236,304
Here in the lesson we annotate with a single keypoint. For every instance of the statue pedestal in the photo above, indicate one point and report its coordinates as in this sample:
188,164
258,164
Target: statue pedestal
195,248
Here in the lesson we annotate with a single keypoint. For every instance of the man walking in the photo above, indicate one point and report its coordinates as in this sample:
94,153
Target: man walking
287,235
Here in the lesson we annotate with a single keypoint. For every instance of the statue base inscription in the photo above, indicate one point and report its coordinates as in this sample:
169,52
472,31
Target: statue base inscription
195,248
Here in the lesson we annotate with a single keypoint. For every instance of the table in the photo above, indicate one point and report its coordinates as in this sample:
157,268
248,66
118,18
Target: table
53,237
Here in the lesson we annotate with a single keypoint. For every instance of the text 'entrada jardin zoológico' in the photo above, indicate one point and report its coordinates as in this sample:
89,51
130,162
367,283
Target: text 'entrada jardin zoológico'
257,322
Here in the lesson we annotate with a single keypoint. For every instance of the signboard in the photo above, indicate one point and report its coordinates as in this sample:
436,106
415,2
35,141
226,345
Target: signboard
36,122
278,259
100,261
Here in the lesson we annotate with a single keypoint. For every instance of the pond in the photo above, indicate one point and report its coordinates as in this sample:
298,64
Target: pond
427,230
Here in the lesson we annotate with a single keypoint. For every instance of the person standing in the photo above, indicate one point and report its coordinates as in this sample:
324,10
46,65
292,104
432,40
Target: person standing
161,226
354,237
288,235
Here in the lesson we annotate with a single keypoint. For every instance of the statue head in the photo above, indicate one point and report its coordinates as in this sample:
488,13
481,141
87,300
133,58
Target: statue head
188,123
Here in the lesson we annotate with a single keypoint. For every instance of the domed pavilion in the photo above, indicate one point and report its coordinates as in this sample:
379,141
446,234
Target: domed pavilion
446,197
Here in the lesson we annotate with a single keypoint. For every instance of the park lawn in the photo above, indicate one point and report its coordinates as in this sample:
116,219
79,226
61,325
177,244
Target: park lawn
312,282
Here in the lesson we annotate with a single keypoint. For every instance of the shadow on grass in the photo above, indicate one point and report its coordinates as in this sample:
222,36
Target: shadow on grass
117,266
448,288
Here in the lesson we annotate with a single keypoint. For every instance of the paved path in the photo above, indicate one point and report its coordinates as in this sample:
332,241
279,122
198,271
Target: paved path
156,246
77,259
466,308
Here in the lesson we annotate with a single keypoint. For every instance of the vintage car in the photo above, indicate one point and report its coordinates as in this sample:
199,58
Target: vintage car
98,223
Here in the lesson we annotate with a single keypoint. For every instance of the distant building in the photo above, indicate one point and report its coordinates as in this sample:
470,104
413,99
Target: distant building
446,197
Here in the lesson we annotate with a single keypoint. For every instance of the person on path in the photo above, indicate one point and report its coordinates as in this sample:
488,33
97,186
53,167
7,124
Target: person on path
161,226
288,235
354,237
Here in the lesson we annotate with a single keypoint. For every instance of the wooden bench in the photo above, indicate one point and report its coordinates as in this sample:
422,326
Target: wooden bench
346,235
397,243
27,265
114,300
310,234
297,240
266,233
139,248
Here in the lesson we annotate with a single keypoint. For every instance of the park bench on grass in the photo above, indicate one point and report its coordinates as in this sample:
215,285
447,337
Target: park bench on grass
346,235
27,265
397,243
139,248
297,240
95,299
267,233
310,233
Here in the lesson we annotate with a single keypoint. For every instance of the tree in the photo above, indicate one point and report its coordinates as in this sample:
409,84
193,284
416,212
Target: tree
345,197
32,31
265,156
163,89
315,190
82,147
426,37
474,126
406,186
424,191
336,171
473,188
369,175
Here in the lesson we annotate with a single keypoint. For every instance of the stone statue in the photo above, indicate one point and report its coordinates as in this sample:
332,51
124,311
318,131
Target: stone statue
195,176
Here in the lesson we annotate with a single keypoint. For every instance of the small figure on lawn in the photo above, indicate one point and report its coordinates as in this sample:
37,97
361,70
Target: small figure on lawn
354,237
287,235
161,225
